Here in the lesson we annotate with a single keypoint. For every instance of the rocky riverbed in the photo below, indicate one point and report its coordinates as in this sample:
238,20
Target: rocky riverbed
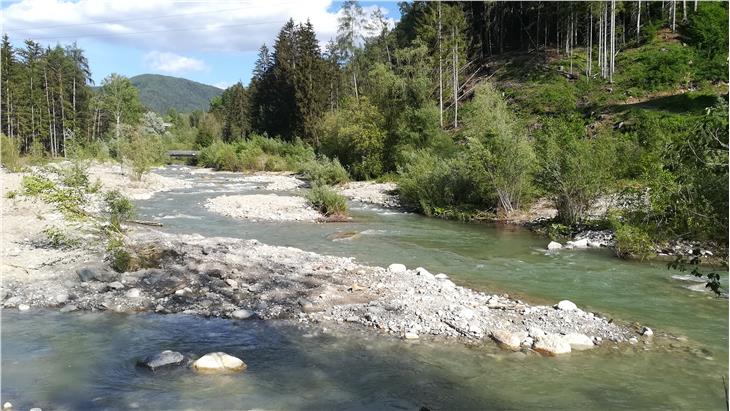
245,279
267,207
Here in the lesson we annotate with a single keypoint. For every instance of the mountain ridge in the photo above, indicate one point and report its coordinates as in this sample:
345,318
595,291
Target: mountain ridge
160,93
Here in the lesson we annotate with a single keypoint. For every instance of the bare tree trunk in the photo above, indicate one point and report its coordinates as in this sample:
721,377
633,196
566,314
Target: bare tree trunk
354,81
589,68
74,101
696,4
455,59
674,15
684,11
613,40
638,22
48,107
441,81
600,43
63,115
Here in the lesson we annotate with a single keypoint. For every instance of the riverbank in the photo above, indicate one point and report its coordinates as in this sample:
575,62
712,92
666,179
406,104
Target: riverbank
246,279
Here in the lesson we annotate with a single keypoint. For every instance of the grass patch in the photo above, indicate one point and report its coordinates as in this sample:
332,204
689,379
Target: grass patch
327,201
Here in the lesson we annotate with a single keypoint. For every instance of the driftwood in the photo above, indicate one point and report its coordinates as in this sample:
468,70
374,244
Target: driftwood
142,222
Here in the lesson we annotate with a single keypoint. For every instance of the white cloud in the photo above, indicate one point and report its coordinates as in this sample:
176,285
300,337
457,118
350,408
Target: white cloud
173,63
165,24
222,84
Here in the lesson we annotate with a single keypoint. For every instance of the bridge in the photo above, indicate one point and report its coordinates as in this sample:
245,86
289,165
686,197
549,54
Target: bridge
183,153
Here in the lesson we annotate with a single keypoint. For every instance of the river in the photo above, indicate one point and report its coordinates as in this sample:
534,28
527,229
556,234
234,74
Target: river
87,360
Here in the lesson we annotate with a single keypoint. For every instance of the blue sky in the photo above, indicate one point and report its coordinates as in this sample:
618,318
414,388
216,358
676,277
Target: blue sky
213,42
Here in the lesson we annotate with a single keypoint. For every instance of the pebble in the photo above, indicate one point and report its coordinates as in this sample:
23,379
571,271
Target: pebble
242,314
232,283
133,293
61,298
116,285
441,276
7,405
23,307
163,359
647,332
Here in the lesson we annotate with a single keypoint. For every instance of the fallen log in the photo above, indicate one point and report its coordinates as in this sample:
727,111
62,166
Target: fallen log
142,222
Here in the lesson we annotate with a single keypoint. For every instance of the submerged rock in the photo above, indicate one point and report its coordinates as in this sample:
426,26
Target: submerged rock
647,332
164,359
218,362
551,344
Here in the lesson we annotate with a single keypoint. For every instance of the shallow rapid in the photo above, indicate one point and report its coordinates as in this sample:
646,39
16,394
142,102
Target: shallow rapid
86,360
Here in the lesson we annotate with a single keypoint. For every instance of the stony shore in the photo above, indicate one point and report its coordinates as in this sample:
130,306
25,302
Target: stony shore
244,279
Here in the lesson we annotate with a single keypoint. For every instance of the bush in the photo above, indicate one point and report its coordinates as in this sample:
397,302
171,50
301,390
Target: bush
143,152
439,186
632,242
707,31
327,201
119,208
572,168
35,185
324,171
10,153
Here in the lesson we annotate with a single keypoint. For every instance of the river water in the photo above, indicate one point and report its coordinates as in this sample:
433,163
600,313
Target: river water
87,360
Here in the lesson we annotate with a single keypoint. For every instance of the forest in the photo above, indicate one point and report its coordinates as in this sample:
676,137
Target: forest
476,109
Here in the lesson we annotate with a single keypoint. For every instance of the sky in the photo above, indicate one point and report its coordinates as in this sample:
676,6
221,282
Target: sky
213,42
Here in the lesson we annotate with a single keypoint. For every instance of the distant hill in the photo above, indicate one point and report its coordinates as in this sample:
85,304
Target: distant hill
160,93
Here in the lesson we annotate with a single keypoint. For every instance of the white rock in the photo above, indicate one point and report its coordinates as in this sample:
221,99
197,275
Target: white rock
527,342
35,409
411,335
554,245
509,340
232,283
116,285
535,332
424,273
466,314
133,293
218,362
582,243
242,314
566,305
579,341
61,298
397,268
23,307
441,276
551,344
647,332
7,406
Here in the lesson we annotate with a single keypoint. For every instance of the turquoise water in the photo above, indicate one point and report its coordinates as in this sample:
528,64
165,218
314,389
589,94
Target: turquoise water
77,361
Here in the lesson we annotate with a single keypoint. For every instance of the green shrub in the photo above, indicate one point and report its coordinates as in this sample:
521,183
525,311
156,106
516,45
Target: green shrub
632,241
324,171
75,176
327,201
35,185
434,185
143,152
10,153
119,207
11,194
572,168
59,239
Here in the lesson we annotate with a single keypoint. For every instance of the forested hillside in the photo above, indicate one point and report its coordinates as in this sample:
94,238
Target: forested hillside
477,109
162,93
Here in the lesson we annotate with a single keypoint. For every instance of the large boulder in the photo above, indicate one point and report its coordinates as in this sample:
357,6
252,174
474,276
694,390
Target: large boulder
97,273
397,268
554,245
566,305
551,344
218,362
579,341
509,340
166,358
582,243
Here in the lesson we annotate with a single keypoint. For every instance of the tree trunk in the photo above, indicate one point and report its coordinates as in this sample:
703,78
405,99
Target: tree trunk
63,115
613,40
684,11
674,15
456,77
354,81
696,4
638,22
48,107
441,81
589,69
